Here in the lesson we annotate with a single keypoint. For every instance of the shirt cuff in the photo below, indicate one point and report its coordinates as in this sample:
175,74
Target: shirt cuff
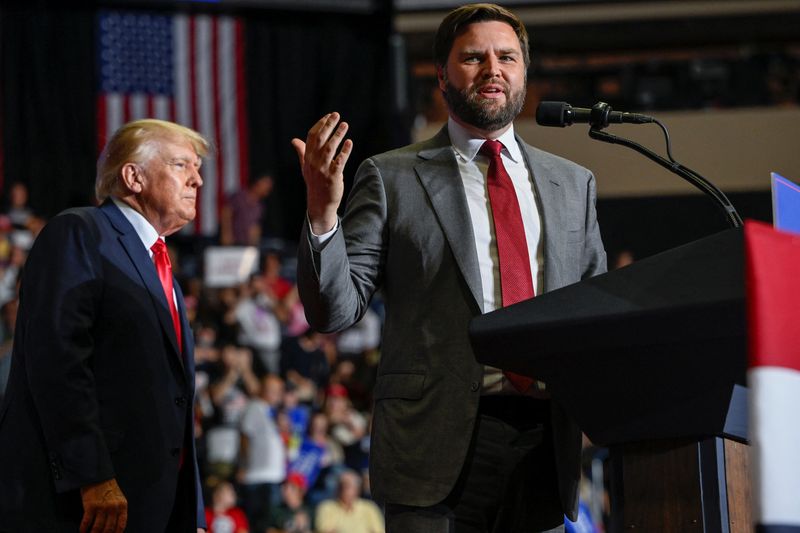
318,240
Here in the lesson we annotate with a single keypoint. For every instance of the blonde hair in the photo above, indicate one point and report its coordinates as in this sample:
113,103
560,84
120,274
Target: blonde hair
136,142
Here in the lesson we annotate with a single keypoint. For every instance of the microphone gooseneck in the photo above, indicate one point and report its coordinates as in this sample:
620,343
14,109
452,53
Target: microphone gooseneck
561,114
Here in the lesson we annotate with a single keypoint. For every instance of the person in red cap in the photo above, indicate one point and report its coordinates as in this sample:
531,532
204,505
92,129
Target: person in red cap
292,515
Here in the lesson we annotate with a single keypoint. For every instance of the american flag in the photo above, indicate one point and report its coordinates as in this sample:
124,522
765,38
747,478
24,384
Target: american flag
187,69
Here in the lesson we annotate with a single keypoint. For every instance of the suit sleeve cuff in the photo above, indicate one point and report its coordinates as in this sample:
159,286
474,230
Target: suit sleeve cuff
318,241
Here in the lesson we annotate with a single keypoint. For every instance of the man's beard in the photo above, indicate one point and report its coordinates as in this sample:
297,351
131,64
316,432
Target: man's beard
469,106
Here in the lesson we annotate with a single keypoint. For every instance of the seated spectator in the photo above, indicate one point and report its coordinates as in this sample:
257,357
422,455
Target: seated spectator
223,516
349,512
262,453
358,379
276,285
291,515
348,426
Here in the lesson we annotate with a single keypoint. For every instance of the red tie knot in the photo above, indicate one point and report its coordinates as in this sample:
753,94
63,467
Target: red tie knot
491,148
159,247
159,250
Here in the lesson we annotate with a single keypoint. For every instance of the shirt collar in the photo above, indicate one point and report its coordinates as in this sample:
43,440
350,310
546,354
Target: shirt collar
146,232
467,146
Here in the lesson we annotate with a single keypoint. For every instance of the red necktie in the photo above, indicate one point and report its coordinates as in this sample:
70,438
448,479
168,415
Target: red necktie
516,282
164,270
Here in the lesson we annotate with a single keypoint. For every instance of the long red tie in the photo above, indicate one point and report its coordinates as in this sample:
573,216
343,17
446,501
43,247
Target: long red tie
516,282
164,270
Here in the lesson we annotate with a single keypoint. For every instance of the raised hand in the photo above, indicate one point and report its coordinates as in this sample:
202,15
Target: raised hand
323,169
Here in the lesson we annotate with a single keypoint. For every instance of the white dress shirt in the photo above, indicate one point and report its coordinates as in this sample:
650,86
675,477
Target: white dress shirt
473,168
146,232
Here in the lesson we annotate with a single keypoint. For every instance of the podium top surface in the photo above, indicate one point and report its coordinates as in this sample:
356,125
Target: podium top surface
652,350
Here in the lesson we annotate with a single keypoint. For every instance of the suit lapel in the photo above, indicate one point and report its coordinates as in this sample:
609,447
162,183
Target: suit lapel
140,258
438,173
550,202
187,356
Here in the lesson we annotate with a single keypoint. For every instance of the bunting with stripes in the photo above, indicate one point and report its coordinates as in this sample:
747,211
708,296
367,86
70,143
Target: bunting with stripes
187,69
773,296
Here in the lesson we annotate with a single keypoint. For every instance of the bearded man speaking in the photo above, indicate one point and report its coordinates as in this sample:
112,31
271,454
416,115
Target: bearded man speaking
461,224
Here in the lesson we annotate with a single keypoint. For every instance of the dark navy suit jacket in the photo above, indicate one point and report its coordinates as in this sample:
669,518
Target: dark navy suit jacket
98,388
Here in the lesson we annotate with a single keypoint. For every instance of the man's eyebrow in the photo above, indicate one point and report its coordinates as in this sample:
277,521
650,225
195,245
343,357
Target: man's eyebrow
502,51
194,161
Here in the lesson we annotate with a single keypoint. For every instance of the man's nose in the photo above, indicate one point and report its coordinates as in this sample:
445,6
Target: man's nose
491,67
196,179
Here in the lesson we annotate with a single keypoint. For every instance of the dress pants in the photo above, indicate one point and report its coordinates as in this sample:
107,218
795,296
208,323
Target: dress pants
509,482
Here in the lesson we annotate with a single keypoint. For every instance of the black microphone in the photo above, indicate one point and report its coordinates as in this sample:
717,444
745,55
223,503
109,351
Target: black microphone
600,115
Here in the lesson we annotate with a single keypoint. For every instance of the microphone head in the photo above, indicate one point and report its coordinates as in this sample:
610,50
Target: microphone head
553,114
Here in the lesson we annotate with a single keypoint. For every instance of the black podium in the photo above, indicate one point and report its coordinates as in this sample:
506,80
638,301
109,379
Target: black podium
650,361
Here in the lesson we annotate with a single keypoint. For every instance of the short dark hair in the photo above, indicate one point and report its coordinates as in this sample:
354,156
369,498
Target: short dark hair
457,20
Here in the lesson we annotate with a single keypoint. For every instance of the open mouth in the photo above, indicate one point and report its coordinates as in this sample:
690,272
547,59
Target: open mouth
491,91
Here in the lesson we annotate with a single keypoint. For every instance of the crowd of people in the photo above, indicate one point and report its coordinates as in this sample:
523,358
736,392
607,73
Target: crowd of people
282,412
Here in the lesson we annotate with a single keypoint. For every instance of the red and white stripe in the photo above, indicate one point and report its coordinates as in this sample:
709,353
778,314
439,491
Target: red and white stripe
208,96
773,291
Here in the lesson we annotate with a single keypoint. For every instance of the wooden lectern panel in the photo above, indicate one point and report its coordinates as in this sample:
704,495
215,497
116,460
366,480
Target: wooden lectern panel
737,467
681,486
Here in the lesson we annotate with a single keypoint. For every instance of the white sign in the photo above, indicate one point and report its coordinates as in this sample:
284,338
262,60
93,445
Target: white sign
226,266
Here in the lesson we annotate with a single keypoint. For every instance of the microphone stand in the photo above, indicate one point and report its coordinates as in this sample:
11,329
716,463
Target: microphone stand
600,113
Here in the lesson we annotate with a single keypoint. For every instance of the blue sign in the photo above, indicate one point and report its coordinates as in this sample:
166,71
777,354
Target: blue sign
785,204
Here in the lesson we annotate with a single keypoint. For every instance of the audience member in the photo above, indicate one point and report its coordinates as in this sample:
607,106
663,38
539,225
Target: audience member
223,516
263,454
348,426
292,515
304,364
9,319
258,326
19,212
276,285
229,395
293,421
319,460
349,513
361,337
240,220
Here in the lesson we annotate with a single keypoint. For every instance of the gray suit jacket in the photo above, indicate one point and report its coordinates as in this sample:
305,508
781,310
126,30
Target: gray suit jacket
407,231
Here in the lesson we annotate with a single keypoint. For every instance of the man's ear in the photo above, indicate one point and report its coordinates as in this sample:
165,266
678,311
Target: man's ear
441,75
132,177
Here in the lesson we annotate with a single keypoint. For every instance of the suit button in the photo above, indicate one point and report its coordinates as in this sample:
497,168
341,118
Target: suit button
56,470
475,386
180,401
175,452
